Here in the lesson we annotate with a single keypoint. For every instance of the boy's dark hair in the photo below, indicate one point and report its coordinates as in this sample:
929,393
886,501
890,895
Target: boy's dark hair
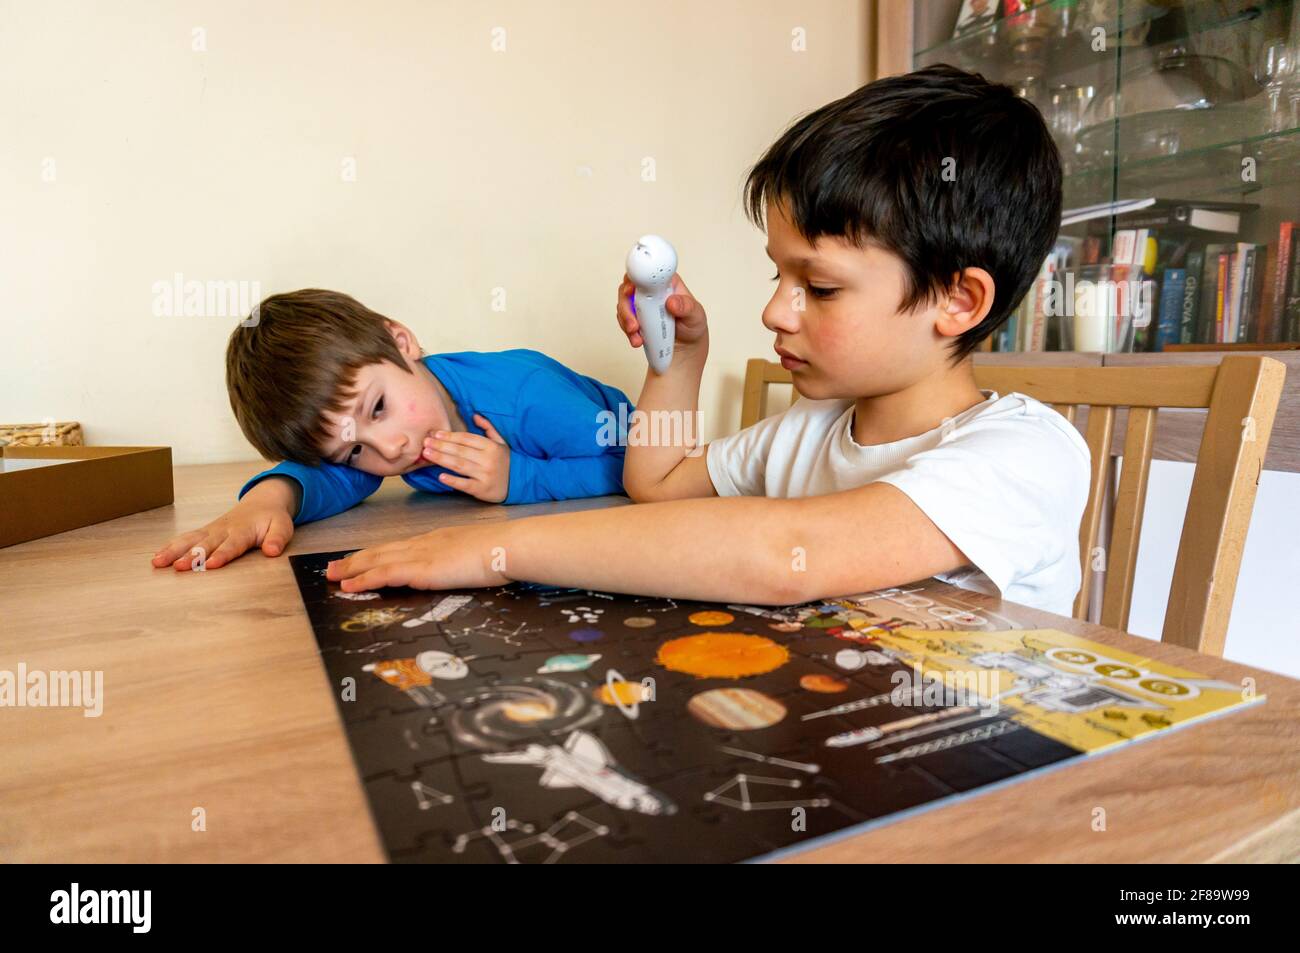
871,166
295,358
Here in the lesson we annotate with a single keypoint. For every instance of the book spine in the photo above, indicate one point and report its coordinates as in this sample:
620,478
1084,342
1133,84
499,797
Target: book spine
1172,292
1259,295
1221,285
1191,296
1038,317
1209,294
1245,296
1293,301
1276,329
1008,335
1122,245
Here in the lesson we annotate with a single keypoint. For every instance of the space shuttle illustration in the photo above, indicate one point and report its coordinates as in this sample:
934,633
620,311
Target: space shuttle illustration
584,762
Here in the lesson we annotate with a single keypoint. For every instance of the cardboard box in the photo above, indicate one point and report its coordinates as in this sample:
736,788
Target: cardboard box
48,490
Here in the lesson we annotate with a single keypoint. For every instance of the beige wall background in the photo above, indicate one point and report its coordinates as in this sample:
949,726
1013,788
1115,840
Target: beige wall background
390,151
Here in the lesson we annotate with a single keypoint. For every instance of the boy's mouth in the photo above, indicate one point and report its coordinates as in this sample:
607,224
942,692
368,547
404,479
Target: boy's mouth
789,361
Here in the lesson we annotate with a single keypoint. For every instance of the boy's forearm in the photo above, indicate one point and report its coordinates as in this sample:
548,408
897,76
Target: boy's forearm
736,549
648,461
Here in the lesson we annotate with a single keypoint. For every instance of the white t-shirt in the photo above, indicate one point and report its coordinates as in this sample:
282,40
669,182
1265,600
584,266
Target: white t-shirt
1006,481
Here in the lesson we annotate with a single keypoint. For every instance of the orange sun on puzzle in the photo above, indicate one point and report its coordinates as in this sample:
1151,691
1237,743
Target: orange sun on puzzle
722,655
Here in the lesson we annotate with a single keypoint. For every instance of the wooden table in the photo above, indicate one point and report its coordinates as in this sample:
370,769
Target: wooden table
215,698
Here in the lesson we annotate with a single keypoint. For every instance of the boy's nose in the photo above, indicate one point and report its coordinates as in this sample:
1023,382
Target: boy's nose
396,449
780,314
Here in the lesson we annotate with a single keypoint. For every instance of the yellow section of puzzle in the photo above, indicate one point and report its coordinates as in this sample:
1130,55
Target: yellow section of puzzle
1081,693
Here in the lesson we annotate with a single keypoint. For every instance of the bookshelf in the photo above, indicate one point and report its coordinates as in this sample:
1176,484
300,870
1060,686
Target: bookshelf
1179,128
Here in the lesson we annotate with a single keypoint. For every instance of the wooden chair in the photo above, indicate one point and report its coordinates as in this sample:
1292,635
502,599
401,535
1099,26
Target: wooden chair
1241,396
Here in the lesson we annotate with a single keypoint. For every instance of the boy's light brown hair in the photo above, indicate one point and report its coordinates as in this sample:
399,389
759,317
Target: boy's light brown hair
296,358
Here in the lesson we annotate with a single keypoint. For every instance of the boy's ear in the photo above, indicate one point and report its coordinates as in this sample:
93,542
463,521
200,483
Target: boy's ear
404,338
967,303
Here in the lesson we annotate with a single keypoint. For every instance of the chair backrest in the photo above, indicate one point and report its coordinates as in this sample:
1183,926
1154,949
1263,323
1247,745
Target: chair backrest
758,375
1241,396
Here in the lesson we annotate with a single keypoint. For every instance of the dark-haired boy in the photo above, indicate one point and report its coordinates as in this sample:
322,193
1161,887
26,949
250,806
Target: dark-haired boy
906,221
346,397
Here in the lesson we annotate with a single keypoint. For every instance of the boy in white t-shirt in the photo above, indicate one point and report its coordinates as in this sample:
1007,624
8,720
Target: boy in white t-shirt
906,221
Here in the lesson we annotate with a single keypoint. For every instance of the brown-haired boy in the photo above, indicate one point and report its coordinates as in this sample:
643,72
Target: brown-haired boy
346,397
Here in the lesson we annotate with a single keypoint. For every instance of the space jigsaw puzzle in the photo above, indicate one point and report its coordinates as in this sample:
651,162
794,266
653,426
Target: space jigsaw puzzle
534,724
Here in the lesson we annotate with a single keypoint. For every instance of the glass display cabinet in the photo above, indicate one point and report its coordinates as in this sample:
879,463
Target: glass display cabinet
1178,123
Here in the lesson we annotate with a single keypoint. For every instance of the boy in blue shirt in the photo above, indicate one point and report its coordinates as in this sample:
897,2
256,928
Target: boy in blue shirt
906,221
345,397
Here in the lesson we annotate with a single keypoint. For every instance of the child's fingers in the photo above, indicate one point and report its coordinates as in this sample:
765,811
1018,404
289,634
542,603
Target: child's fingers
626,319
474,469
389,574
458,460
682,305
178,546
624,313
277,535
461,438
175,548
232,547
464,484
364,559
207,543
491,431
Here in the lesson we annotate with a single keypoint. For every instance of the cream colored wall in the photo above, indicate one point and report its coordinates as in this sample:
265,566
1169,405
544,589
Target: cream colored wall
129,156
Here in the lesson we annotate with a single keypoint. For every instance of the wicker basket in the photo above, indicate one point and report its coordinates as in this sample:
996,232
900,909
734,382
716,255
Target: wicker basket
51,434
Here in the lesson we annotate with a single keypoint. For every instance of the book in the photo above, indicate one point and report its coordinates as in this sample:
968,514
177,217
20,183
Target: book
1036,329
1251,293
1173,248
1236,299
1172,289
1191,296
1009,334
1204,216
1262,326
1211,303
1160,213
1259,295
1122,246
1146,252
1291,312
1221,294
1141,294
1283,263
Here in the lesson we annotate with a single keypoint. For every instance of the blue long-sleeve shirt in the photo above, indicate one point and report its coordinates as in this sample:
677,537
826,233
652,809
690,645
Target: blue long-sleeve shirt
553,419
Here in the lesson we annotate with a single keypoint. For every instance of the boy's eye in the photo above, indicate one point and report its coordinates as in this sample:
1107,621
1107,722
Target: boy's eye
815,290
355,451
379,407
